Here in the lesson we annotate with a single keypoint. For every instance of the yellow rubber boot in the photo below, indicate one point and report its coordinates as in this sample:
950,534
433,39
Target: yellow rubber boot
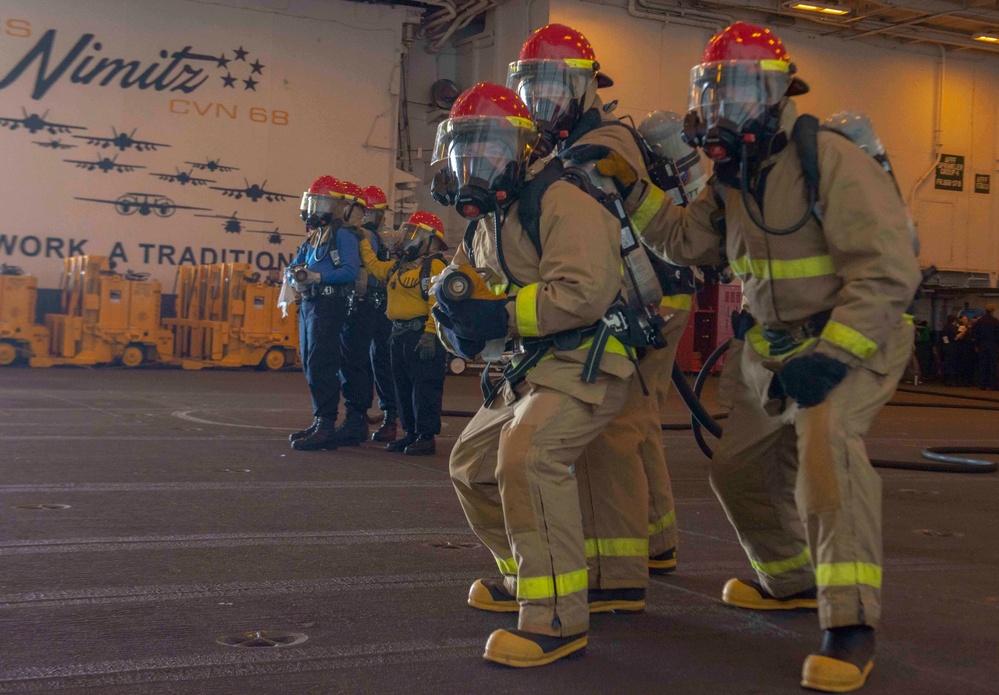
525,649
751,595
844,661
491,595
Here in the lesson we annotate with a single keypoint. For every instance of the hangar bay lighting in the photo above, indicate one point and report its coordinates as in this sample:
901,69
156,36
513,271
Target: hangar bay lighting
987,38
819,7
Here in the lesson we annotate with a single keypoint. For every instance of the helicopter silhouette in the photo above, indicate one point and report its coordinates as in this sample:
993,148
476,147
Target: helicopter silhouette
212,165
233,224
54,144
122,141
182,177
104,164
145,204
274,237
253,192
33,123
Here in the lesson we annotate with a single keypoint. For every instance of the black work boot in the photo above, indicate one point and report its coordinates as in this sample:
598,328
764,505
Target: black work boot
323,437
424,445
399,445
616,600
663,563
387,432
843,662
354,429
295,436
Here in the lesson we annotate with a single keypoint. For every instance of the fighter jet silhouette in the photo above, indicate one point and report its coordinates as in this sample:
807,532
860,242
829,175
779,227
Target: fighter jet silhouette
104,164
233,224
274,237
122,141
183,178
53,144
145,204
33,123
212,165
253,191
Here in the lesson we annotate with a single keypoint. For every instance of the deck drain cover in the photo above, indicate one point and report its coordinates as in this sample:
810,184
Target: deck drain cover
262,639
43,507
455,545
232,470
938,534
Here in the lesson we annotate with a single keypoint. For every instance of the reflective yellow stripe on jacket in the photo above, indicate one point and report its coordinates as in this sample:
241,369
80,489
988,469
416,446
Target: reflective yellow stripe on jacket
526,311
663,523
783,269
853,341
649,207
617,547
550,587
847,573
775,567
754,336
681,302
507,566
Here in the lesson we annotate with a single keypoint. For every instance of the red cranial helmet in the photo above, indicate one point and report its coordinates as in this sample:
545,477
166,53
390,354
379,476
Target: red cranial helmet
486,143
555,75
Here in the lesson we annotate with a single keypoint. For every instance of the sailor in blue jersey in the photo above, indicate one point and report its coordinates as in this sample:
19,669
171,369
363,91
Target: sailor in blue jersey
324,273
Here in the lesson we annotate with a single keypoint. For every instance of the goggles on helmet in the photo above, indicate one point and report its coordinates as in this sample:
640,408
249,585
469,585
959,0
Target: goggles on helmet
737,91
479,150
551,88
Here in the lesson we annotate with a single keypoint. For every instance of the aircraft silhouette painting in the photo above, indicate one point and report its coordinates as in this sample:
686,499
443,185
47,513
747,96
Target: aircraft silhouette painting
212,165
123,141
234,224
34,123
104,164
275,236
253,192
183,178
143,203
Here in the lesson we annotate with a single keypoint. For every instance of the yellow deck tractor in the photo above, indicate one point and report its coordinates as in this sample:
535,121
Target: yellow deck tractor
20,336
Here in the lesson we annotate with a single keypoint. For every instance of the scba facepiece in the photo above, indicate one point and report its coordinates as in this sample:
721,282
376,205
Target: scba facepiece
319,203
419,234
485,144
375,207
736,91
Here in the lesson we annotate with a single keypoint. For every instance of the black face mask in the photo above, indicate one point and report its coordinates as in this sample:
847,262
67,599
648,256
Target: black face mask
444,187
316,221
475,199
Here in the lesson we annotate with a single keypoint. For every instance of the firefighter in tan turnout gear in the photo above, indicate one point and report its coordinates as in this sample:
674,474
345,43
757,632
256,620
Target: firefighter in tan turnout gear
557,76
511,466
819,236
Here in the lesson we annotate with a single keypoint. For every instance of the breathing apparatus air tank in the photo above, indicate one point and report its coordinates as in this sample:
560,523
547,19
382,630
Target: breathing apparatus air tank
662,131
857,127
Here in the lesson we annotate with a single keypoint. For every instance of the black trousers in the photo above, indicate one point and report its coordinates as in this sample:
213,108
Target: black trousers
988,357
355,343
381,362
320,321
419,385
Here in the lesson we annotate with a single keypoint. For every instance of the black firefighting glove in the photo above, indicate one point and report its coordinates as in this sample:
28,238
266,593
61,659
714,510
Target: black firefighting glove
463,347
809,379
426,348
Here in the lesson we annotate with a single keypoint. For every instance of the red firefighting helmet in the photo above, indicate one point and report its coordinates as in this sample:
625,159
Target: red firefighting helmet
557,42
418,232
745,70
352,192
487,139
374,198
319,201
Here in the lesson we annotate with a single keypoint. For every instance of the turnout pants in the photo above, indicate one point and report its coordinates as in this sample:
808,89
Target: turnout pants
355,343
621,530
381,362
419,385
512,470
320,320
798,486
